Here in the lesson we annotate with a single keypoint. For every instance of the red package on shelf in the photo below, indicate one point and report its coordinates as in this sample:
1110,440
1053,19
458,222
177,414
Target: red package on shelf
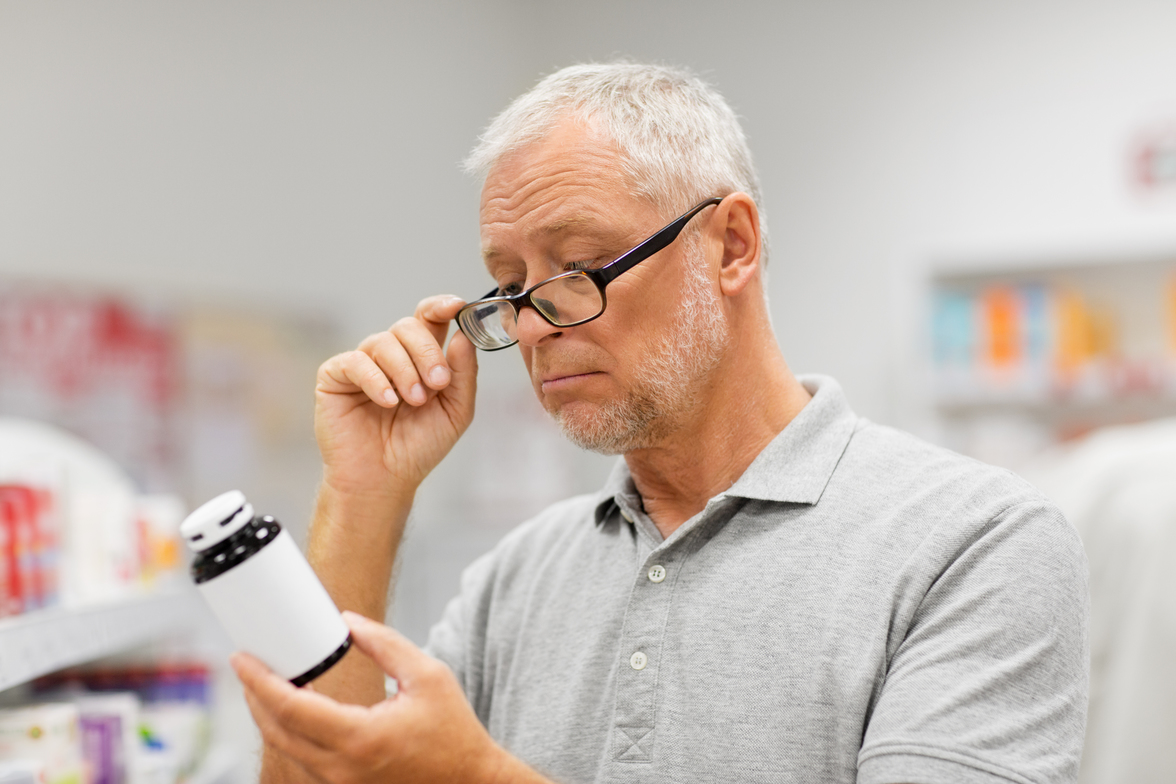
45,546
13,542
28,549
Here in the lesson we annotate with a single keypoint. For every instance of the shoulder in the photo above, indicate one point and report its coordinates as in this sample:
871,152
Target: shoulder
935,498
901,466
881,451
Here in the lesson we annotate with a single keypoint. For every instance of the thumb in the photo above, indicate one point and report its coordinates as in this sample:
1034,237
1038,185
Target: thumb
392,651
463,361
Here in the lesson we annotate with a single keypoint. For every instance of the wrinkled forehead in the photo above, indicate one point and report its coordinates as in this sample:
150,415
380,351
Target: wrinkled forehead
572,148
569,179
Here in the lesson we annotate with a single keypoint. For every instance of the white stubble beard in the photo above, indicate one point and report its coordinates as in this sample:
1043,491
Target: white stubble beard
678,364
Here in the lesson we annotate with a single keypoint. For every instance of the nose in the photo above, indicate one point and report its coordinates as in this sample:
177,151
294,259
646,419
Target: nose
533,329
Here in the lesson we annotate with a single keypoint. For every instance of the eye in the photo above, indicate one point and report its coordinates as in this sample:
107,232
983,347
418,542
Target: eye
581,265
508,289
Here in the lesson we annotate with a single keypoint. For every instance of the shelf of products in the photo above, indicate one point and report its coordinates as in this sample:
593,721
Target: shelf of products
42,641
111,671
1024,356
109,408
1085,340
125,720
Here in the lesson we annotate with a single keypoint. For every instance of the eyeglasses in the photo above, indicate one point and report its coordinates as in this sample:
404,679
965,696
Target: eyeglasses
566,300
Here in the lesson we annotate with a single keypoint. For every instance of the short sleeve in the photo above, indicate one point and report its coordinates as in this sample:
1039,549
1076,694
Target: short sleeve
447,638
989,683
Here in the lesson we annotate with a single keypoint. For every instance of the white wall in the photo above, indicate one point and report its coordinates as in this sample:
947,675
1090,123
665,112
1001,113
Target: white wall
304,155
297,153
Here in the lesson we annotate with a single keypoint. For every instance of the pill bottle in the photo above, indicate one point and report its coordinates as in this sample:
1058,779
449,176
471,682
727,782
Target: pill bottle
262,590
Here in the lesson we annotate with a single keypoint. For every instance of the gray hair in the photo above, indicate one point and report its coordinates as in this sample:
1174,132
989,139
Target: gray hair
679,140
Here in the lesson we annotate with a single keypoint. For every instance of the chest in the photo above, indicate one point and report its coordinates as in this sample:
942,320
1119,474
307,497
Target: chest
751,652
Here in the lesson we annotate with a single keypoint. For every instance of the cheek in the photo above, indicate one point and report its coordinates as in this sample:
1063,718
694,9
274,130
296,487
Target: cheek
641,305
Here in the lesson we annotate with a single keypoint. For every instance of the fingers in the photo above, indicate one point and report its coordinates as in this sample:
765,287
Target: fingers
308,754
436,313
406,361
393,353
409,353
424,334
303,724
392,651
356,371
463,361
421,362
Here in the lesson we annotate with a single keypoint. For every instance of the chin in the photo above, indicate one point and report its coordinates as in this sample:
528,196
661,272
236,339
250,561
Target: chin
612,428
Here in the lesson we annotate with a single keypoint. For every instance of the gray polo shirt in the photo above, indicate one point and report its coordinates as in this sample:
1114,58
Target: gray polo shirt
858,606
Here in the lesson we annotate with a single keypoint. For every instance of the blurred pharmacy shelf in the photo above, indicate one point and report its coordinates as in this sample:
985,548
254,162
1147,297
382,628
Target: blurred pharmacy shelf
42,641
1023,355
1064,338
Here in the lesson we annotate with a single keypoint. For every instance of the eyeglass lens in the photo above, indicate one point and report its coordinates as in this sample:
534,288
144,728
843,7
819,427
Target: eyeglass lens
563,301
489,325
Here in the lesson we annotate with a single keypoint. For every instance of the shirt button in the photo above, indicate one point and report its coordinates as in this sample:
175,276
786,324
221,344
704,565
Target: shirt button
657,573
638,660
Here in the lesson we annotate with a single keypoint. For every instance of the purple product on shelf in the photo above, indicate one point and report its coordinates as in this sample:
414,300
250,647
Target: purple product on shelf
102,747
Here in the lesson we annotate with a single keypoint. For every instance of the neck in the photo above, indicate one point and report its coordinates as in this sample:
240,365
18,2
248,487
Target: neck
747,402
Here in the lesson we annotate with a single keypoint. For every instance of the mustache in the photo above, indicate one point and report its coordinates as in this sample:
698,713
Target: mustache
567,361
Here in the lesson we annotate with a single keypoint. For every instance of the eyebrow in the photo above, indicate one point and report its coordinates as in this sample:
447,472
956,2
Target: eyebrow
556,228
570,222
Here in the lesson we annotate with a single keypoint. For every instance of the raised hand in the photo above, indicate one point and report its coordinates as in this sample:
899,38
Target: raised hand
388,412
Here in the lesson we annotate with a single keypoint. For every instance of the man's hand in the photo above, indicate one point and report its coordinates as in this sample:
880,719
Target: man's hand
385,416
427,732
388,412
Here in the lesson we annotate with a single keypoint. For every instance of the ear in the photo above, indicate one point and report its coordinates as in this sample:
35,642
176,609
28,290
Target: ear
738,219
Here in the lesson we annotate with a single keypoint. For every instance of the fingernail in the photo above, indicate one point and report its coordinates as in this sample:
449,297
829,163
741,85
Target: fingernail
418,392
439,376
390,397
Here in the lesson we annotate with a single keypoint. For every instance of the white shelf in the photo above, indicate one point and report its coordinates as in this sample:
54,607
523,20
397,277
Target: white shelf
40,642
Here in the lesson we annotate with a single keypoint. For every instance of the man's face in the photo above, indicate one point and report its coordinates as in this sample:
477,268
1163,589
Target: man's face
627,379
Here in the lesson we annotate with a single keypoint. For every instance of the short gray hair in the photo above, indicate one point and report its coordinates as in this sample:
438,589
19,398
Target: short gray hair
679,140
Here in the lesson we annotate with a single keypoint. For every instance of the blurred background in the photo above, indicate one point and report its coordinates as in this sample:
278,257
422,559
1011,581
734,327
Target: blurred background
972,209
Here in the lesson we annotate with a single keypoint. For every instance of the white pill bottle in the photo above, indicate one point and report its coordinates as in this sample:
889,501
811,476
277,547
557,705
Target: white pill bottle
262,590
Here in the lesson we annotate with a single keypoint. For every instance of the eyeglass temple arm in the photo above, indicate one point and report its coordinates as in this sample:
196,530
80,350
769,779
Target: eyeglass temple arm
652,245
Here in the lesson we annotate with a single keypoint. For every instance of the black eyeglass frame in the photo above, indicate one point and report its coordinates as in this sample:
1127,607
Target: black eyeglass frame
601,277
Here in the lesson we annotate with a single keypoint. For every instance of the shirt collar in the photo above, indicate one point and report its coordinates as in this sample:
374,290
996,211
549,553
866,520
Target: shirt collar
795,466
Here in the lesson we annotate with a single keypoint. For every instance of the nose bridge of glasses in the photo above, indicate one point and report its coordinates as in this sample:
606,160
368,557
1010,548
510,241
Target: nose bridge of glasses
532,324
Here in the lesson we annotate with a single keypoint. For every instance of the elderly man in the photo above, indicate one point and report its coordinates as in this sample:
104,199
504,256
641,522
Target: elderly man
768,588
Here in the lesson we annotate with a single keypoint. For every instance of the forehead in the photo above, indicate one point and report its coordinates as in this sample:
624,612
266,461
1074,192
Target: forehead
572,182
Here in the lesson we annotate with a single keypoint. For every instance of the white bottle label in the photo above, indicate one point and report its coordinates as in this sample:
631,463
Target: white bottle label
274,607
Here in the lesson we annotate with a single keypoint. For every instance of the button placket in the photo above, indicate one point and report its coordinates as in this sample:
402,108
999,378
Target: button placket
634,731
642,638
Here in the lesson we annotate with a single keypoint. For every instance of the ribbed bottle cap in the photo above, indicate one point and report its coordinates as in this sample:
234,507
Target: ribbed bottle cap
216,520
